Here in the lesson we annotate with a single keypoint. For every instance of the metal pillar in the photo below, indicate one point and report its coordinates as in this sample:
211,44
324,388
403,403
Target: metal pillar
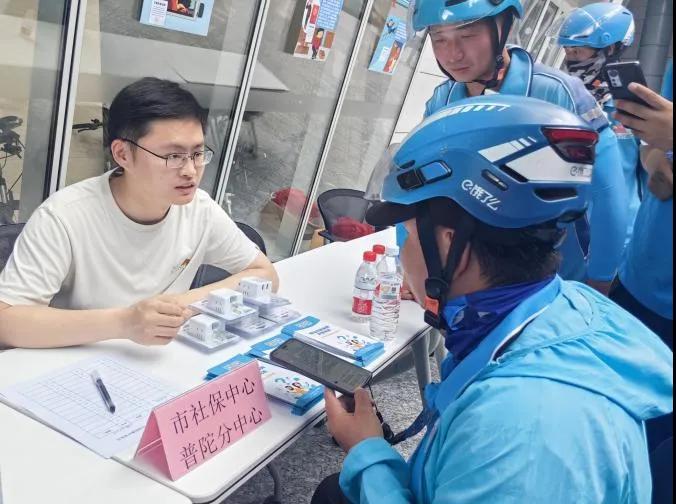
656,40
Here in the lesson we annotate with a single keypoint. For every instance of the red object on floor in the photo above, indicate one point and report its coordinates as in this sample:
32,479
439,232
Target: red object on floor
347,228
293,201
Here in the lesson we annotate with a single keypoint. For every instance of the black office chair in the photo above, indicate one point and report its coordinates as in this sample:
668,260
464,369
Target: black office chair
337,203
8,235
207,274
662,467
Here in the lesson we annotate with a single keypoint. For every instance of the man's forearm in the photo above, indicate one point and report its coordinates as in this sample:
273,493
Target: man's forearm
44,327
231,283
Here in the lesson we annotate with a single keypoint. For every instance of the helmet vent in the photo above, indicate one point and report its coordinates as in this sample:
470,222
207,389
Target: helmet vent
516,176
556,193
451,3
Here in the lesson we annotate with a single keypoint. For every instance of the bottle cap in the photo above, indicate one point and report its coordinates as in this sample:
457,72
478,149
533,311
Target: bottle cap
379,249
370,256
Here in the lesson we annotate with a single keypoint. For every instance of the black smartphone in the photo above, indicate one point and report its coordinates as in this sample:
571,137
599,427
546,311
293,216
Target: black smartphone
320,366
620,75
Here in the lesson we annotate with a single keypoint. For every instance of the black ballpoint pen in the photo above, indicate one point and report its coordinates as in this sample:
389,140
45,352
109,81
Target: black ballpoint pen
103,391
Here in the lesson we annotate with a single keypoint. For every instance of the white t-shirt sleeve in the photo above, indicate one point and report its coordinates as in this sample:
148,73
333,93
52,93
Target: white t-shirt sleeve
40,262
228,246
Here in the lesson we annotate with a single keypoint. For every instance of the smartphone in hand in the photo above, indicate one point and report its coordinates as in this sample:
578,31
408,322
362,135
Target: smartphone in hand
320,366
620,75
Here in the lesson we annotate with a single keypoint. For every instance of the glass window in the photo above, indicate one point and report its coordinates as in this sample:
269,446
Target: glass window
541,35
371,110
31,38
118,50
526,27
284,131
550,50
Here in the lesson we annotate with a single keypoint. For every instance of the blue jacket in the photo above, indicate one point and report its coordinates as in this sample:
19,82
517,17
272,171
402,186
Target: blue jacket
634,175
557,418
593,253
648,268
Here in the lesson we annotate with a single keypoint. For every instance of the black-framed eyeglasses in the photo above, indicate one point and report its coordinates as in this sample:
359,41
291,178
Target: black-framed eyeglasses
178,160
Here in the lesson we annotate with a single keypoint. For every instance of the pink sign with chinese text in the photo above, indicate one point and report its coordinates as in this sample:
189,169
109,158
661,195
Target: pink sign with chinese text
193,428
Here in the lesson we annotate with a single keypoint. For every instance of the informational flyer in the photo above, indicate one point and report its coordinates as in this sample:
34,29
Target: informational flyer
392,39
313,28
189,16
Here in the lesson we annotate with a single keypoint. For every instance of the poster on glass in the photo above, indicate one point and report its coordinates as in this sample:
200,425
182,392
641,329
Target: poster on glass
189,16
313,28
392,39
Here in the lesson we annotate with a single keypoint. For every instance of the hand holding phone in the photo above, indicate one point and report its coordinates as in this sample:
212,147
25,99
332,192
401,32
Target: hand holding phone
350,429
653,123
320,366
620,75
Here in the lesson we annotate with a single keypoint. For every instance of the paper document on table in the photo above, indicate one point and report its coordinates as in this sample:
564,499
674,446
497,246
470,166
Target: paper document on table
69,401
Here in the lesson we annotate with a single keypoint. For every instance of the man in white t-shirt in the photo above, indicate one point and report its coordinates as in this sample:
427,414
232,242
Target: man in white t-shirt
114,257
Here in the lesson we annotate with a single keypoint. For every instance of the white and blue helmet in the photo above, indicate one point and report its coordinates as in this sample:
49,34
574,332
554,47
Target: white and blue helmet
505,169
510,162
599,26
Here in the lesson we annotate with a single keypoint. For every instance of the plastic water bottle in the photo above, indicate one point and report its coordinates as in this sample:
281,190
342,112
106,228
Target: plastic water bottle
364,289
387,301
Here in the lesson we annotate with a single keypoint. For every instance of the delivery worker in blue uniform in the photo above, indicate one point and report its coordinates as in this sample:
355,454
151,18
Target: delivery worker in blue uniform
646,280
594,36
469,41
548,383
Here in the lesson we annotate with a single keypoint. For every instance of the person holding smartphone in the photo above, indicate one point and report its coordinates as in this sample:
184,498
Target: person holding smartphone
544,395
469,40
645,285
646,279
592,37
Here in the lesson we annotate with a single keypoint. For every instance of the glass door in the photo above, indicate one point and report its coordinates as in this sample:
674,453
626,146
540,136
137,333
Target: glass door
203,45
32,38
305,52
374,101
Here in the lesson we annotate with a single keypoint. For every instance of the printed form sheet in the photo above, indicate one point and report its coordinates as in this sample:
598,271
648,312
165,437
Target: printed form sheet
68,401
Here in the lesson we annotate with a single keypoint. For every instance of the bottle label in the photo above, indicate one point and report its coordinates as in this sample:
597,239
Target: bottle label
362,303
388,291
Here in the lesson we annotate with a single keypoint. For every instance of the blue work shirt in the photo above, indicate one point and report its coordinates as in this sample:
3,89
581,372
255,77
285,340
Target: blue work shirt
634,175
557,418
648,268
591,251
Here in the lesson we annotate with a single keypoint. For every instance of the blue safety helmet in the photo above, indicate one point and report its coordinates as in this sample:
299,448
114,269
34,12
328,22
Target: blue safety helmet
428,13
598,26
505,169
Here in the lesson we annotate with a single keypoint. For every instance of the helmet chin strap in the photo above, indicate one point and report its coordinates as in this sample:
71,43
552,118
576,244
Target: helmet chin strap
499,44
440,278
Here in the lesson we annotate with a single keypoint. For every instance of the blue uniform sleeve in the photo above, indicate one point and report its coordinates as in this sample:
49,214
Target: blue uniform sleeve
375,473
610,211
548,445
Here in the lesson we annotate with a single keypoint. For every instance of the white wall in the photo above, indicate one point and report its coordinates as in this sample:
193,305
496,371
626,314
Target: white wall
428,76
